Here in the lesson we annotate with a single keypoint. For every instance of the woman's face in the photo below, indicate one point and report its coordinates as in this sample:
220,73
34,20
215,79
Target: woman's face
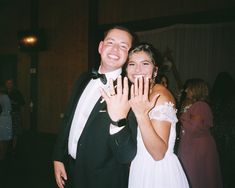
189,93
139,65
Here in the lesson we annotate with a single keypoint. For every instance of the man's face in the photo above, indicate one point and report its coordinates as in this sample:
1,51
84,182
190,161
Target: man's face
114,50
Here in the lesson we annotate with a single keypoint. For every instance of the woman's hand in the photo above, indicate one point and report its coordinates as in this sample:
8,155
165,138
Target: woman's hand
139,102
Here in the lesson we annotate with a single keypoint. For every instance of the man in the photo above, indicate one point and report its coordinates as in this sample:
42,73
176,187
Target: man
93,149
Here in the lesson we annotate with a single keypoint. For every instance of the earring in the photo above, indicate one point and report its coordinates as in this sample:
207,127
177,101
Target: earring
154,75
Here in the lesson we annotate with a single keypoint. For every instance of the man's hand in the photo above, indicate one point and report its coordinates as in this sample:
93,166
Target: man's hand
117,101
60,174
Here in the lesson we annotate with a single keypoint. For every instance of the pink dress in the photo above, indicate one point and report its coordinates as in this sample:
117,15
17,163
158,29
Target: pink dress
197,148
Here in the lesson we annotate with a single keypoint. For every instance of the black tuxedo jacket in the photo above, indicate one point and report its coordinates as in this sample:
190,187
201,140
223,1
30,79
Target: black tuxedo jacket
102,159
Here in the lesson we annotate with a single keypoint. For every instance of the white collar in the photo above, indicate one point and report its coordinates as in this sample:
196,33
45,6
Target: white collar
113,74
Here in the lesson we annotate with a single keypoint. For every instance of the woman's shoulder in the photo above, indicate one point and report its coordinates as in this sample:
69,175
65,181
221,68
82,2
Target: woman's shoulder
165,94
200,104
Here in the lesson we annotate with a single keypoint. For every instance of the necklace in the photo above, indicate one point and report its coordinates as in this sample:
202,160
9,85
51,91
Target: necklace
185,109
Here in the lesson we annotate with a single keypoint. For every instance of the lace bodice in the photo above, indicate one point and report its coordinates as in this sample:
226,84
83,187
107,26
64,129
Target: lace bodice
164,112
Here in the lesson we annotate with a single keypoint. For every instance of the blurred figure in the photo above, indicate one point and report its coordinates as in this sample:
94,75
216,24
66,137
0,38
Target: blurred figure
162,79
17,101
223,107
5,124
197,148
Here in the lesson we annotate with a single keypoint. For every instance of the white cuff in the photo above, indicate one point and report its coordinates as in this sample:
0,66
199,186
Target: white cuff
114,129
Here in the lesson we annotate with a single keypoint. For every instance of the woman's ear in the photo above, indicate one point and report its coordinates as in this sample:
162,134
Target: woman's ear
155,73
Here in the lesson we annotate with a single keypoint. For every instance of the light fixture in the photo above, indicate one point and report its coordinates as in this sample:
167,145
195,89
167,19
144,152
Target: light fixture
31,40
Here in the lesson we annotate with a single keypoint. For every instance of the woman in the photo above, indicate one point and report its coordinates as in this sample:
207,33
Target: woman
155,164
197,148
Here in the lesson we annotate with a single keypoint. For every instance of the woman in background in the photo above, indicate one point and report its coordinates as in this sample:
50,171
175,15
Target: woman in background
197,149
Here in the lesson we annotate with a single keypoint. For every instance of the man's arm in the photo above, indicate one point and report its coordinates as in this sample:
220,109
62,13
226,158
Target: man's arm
123,143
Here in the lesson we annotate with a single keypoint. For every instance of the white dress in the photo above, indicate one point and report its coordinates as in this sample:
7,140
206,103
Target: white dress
145,172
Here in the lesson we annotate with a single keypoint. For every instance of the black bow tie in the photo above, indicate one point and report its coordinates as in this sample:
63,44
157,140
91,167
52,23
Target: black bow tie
95,75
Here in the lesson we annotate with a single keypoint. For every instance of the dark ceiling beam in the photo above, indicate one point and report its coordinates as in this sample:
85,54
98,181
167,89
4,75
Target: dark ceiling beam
225,15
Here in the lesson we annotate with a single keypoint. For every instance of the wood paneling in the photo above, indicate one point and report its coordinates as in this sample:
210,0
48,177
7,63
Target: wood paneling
69,30
132,10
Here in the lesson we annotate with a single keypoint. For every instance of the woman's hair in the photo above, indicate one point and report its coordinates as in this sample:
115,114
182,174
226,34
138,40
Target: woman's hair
199,89
153,53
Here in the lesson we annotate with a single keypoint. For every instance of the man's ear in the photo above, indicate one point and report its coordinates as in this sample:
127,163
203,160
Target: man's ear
100,46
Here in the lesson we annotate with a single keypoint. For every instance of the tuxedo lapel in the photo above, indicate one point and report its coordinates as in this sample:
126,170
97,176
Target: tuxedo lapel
100,107
78,89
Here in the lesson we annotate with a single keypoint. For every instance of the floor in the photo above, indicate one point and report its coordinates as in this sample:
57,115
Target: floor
31,167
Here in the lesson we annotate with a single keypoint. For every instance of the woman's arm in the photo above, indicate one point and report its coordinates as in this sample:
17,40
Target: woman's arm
155,133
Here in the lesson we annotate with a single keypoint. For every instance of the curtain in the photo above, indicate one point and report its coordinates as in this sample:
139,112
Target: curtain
198,50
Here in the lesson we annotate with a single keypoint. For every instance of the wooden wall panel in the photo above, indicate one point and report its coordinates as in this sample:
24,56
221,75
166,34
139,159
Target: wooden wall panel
64,59
132,10
66,28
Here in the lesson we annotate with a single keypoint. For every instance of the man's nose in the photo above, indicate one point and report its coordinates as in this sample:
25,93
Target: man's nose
115,47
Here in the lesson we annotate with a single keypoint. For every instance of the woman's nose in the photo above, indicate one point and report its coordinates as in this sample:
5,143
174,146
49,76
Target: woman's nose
138,68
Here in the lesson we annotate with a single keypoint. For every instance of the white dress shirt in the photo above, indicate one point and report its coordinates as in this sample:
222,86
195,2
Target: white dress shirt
86,103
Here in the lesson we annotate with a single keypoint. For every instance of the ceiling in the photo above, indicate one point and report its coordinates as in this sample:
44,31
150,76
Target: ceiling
3,3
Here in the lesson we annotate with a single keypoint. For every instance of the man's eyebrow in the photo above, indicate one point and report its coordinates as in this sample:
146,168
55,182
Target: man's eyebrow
108,38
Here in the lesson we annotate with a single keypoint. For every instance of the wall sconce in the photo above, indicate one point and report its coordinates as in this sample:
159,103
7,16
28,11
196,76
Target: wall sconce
31,40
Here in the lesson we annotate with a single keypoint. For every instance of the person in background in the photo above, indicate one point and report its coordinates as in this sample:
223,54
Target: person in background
223,108
197,149
162,79
95,145
5,124
17,102
155,164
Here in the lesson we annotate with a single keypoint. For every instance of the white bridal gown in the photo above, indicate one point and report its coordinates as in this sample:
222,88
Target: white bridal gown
145,172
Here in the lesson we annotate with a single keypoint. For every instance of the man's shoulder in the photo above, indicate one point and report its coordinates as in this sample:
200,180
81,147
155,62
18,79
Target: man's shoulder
83,76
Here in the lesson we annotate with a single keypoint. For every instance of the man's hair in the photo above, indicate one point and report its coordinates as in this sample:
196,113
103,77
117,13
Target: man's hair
123,28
